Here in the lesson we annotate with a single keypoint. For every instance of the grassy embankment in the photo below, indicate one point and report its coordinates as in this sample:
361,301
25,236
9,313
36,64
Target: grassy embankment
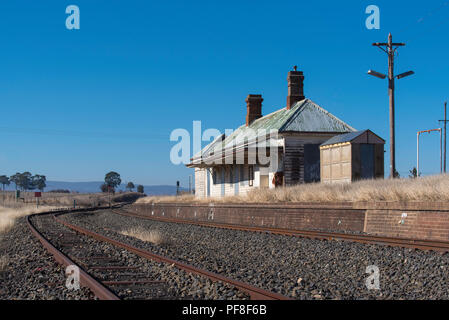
431,188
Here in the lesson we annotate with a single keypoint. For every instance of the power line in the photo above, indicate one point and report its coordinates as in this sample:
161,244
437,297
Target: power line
429,14
444,128
81,134
417,35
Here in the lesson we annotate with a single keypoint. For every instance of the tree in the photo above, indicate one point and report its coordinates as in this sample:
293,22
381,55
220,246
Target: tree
38,182
413,173
130,186
25,182
104,188
4,180
112,179
15,179
396,174
140,188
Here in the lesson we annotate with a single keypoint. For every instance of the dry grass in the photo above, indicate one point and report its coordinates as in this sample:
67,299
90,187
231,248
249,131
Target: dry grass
81,200
7,199
3,263
158,199
9,215
431,188
154,236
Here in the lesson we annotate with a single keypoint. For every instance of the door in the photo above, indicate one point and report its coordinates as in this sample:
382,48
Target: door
366,161
311,162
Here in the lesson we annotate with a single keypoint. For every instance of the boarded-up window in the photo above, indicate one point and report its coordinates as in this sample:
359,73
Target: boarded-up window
311,162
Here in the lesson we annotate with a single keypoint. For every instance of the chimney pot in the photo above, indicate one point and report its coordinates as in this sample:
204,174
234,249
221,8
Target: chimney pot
253,108
295,81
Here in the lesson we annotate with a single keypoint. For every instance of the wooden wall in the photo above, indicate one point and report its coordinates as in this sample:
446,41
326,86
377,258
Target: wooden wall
293,161
379,161
294,154
336,163
356,162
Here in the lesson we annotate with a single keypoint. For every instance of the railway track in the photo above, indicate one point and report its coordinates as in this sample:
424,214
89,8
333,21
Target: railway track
440,246
109,273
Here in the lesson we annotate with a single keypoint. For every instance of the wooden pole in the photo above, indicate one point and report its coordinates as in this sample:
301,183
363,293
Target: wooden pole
444,128
391,98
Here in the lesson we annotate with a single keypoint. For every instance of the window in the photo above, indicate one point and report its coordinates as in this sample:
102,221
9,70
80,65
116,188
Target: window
242,174
250,175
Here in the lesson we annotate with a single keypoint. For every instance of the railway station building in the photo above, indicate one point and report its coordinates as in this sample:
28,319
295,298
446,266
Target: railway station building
282,148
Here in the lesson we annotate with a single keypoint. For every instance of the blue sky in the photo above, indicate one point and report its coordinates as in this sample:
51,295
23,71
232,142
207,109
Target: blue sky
78,103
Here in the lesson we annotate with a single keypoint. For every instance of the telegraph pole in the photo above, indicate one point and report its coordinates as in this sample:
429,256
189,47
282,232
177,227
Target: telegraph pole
444,129
390,49
445,121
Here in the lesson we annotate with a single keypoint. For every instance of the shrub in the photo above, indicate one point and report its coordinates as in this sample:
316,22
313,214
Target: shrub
127,197
154,236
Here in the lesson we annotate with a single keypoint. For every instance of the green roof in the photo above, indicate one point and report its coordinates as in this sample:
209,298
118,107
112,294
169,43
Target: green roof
303,116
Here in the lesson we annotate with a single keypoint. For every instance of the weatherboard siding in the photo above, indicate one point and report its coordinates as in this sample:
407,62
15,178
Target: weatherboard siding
200,185
293,162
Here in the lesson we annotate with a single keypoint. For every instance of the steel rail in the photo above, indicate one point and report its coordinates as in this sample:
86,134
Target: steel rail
254,292
86,280
442,246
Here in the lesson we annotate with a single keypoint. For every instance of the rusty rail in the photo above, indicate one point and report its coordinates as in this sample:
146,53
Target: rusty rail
254,292
442,246
86,280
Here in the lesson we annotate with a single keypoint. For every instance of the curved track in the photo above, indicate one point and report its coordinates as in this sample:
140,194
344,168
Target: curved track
102,288
86,279
441,246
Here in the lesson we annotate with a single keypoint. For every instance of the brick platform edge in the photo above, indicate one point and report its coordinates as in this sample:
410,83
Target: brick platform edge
417,220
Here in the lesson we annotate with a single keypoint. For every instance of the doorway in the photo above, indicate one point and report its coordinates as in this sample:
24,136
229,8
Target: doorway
367,161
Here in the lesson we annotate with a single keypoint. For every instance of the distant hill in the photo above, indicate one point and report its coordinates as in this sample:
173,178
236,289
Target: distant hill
94,186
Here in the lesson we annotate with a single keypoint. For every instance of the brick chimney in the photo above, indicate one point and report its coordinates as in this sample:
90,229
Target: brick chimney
253,108
295,81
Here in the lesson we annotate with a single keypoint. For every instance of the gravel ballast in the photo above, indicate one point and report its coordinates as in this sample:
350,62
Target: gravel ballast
297,267
170,282
31,273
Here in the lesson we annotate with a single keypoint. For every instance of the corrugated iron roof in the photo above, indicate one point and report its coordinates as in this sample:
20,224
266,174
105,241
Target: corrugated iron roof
310,117
210,147
341,138
304,116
